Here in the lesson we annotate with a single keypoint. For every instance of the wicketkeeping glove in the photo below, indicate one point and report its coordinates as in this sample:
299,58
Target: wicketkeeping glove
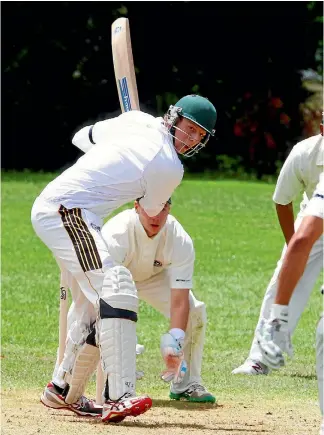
274,337
172,354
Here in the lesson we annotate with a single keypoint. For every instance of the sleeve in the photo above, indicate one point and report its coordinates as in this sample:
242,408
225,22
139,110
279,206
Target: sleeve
315,207
182,265
83,139
116,240
88,136
290,181
158,188
316,204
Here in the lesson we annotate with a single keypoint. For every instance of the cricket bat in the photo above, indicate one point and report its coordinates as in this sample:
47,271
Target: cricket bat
128,98
124,65
64,308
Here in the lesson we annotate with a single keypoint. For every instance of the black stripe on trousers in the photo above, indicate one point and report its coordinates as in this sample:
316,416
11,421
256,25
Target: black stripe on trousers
83,241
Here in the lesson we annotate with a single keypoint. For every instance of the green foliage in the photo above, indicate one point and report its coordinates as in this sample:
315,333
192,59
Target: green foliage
237,241
63,76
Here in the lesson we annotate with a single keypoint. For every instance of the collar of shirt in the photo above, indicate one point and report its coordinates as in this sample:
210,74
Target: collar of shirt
141,235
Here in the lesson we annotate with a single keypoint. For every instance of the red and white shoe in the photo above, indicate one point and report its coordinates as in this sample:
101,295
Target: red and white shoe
85,407
127,406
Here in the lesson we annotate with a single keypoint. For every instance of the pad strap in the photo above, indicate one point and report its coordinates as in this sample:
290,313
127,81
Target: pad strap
109,312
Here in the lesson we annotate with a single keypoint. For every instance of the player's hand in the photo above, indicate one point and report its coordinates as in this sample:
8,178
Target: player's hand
173,357
274,337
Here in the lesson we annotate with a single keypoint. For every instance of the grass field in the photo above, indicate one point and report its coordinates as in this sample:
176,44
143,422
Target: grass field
237,241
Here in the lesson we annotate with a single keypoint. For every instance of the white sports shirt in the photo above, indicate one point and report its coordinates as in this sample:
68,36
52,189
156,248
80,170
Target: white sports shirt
316,204
171,249
300,172
133,157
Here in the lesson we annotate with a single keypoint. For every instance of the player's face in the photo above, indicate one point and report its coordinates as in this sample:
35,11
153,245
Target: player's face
187,135
152,225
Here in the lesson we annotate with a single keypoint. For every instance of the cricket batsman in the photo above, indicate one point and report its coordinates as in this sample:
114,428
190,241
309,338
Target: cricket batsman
300,172
134,156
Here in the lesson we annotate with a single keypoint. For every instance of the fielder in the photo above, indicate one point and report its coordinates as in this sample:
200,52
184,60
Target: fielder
135,156
300,172
274,335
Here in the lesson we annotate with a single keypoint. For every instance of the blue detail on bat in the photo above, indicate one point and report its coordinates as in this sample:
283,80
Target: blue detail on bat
123,87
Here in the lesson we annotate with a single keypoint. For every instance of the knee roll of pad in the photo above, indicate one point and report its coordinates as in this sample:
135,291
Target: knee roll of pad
117,331
119,290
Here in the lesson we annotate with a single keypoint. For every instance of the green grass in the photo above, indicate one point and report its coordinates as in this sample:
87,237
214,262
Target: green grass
237,241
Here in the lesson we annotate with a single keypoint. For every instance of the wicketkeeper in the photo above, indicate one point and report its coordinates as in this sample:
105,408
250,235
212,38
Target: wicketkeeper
160,256
134,156
300,172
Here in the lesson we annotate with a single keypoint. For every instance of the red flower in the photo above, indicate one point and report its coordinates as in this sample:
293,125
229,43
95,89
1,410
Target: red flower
238,130
284,119
276,102
269,140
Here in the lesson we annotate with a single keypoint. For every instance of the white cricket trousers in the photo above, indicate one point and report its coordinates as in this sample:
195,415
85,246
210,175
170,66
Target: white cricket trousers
300,295
75,239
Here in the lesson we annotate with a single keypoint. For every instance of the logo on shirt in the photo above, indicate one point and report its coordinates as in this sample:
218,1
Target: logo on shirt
183,280
157,263
95,227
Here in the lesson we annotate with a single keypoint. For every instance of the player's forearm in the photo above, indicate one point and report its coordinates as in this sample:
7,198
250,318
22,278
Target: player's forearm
286,219
179,309
296,257
292,269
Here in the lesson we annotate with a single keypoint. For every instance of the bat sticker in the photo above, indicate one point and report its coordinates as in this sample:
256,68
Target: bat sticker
123,87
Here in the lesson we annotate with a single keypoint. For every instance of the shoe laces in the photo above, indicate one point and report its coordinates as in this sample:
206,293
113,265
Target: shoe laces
84,401
114,404
196,387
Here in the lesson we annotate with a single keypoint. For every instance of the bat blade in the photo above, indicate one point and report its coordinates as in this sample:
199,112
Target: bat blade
124,65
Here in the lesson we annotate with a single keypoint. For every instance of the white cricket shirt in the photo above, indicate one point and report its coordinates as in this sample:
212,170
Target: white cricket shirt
171,249
133,157
301,171
316,204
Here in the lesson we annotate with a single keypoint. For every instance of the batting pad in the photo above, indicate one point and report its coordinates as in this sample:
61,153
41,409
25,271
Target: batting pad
85,364
117,331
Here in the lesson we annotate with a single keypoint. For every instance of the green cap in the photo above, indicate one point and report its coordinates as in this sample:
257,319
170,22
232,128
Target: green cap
199,110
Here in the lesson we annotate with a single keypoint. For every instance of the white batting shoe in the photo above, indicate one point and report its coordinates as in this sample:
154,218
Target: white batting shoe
85,407
251,367
128,406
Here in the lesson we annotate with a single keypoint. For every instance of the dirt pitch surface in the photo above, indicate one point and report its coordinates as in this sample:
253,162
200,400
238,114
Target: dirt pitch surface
23,414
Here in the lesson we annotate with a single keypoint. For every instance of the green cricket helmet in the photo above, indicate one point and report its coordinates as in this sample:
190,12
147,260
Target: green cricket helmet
197,109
